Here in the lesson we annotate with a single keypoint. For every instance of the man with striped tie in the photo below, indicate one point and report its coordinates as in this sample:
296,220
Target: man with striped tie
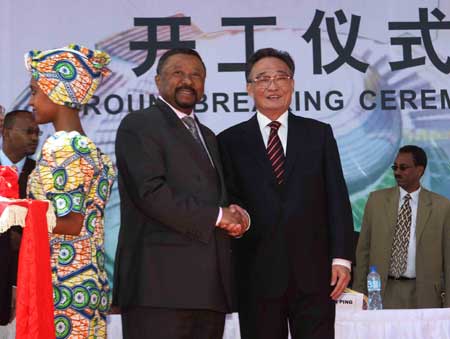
285,170
406,234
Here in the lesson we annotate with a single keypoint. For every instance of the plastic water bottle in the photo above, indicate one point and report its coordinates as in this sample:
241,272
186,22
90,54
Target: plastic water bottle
374,289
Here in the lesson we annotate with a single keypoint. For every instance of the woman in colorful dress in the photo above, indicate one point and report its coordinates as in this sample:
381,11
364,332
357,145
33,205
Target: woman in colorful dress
76,176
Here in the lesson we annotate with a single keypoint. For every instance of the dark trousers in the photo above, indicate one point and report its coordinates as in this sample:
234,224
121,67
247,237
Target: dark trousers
310,316
5,279
161,323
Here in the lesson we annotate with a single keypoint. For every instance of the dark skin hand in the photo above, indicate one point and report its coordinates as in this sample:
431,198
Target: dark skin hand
69,224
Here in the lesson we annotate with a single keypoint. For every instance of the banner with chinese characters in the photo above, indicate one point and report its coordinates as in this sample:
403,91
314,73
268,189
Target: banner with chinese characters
377,71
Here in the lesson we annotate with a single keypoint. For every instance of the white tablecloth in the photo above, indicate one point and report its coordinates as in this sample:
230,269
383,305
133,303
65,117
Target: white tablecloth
9,331
433,323
386,324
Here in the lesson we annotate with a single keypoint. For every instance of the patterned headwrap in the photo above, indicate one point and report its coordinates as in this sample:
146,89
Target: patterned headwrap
69,75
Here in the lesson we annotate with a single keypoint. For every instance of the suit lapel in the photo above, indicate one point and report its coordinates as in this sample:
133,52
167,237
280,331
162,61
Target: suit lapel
423,212
23,178
211,145
253,144
391,212
296,138
179,131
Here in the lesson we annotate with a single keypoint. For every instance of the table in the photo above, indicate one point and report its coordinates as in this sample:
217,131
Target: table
432,323
13,212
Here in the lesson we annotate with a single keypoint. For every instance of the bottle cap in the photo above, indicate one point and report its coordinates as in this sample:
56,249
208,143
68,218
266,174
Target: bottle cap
373,268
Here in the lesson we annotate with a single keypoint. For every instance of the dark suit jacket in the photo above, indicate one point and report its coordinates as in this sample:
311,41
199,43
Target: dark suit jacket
297,227
9,253
170,254
28,167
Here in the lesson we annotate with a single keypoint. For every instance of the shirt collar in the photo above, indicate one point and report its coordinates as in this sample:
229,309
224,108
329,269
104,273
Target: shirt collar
414,195
180,114
263,121
5,161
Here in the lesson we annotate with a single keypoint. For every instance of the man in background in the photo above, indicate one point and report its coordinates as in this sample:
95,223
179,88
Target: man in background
406,234
20,139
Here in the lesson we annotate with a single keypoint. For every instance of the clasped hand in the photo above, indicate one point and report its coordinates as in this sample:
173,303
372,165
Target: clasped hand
235,220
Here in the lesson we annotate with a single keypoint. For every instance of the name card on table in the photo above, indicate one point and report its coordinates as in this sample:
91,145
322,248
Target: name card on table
350,301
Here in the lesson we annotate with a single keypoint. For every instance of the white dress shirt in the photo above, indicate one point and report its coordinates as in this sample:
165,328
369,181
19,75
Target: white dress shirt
4,160
414,203
263,121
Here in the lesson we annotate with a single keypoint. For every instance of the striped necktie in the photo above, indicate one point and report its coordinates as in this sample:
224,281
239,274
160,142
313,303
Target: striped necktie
192,127
275,152
400,243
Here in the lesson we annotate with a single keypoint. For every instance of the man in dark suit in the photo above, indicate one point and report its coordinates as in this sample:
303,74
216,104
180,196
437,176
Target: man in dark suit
173,263
20,139
285,171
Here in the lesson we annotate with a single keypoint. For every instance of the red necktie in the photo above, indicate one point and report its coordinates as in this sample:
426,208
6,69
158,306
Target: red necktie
275,151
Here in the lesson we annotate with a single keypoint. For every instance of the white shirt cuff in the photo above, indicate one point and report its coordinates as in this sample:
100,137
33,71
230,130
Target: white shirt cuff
343,262
219,217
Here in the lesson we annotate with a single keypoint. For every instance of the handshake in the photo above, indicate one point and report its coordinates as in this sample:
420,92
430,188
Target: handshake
235,220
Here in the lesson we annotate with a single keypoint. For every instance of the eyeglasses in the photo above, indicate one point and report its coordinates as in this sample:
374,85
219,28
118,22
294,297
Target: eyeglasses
265,81
30,131
401,167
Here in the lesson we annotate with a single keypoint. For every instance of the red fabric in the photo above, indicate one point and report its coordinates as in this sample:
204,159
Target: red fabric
9,182
34,312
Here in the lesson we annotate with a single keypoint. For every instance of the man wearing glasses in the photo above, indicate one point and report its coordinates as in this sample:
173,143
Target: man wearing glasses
20,139
406,234
286,172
